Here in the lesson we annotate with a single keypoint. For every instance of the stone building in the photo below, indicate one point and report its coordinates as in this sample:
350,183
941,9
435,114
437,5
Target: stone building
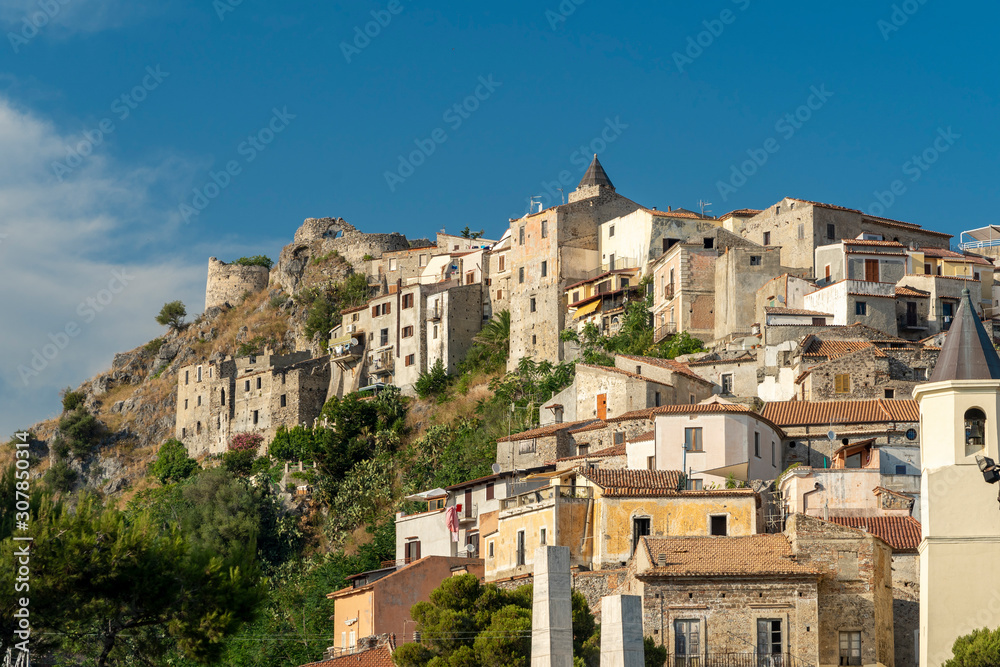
797,227
786,292
496,291
740,272
861,259
550,250
734,373
254,394
639,237
857,301
818,594
229,284
835,370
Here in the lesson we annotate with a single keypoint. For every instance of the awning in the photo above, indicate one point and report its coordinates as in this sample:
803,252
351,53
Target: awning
583,311
739,471
988,233
343,340
424,496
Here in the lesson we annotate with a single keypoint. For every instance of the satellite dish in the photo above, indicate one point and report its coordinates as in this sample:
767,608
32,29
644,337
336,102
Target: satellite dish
495,468
831,435
470,548
354,342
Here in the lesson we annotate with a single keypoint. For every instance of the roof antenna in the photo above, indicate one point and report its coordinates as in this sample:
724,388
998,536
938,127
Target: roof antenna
534,203
704,206
562,193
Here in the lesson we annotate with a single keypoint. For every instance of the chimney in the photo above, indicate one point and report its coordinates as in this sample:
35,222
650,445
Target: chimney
661,560
668,209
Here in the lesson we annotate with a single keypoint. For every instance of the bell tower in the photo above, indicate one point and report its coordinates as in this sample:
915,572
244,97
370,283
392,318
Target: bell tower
960,515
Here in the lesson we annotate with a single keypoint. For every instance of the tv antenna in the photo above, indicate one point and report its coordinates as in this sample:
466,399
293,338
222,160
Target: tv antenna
534,203
704,207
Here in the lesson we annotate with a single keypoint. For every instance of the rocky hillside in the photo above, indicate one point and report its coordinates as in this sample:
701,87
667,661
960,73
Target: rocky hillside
135,399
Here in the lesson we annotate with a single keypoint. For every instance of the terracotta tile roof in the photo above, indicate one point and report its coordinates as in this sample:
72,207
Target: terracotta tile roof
543,431
832,349
902,533
678,213
616,450
955,256
910,291
669,364
355,309
744,358
889,244
774,310
816,413
644,413
642,437
595,426
741,213
635,482
753,555
887,221
380,656
612,369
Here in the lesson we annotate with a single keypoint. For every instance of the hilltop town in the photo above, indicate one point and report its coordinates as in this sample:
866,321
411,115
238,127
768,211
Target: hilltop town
720,415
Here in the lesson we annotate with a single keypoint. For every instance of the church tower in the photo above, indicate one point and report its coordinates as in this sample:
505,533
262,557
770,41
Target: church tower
960,548
593,184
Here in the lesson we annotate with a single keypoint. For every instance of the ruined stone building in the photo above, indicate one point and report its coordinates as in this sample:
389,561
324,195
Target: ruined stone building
254,394
228,284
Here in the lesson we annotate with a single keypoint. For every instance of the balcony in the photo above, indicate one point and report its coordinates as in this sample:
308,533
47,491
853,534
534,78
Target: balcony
547,493
618,264
913,324
668,292
468,513
434,314
734,660
381,364
661,332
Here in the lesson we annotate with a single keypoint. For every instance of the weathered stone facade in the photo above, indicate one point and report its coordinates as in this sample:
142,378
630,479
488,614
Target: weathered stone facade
740,272
228,284
255,394
872,372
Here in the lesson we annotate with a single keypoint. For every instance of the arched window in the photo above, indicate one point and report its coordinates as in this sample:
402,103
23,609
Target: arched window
975,428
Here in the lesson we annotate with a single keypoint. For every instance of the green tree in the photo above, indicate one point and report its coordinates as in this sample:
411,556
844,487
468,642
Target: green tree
71,400
475,625
172,315
432,383
323,305
654,654
172,462
981,648
108,589
81,431
492,346
256,260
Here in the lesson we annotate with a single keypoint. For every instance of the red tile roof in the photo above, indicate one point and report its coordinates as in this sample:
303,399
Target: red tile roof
668,364
743,358
741,213
642,437
544,431
380,656
941,253
816,413
891,244
753,555
594,426
612,369
832,349
775,310
616,450
902,533
635,482
910,291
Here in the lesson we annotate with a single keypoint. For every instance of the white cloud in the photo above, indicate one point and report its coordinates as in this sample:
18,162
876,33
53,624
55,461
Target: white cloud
61,244
61,18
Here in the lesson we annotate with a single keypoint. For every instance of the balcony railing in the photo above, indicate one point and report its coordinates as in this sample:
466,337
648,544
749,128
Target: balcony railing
619,263
546,493
662,331
734,660
668,291
469,513
381,364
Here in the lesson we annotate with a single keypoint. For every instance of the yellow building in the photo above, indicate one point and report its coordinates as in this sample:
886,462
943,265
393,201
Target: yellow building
960,549
601,515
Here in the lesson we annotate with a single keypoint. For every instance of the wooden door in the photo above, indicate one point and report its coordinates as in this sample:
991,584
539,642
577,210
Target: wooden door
602,406
871,270
468,502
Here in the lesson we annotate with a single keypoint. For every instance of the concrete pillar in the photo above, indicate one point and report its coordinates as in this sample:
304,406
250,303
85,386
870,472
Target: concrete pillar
552,610
621,631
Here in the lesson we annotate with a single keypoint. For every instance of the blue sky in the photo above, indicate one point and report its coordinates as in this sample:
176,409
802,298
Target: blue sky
310,118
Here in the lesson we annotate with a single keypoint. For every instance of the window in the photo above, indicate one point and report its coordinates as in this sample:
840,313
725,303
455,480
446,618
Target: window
253,358
520,235
534,339
470,277
386,308
656,399
850,648
541,537
727,383
384,337
199,400
692,440
611,231
802,231
582,450
411,550
773,448
545,229
619,437
184,432
827,271
186,378
927,268
407,301
284,400
258,383
920,374
435,332
185,404
842,383
695,485
650,463
422,261
408,332
890,393
246,385
576,296
687,643
256,415
490,491
354,641
199,373
223,391
975,428
769,636
532,304
491,549
708,243
640,528
831,231
343,639
756,445
718,526
754,260
545,269
499,294
410,359
520,548
502,261
901,469
520,275
392,264
767,238
860,307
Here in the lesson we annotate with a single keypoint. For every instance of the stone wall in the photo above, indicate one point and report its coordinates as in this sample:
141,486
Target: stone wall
906,607
739,273
229,283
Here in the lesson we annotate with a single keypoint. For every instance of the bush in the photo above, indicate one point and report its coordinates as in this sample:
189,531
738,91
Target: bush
152,348
292,445
324,306
81,431
432,383
252,346
246,442
172,314
71,400
368,257
60,476
655,655
172,463
981,648
239,462
256,260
